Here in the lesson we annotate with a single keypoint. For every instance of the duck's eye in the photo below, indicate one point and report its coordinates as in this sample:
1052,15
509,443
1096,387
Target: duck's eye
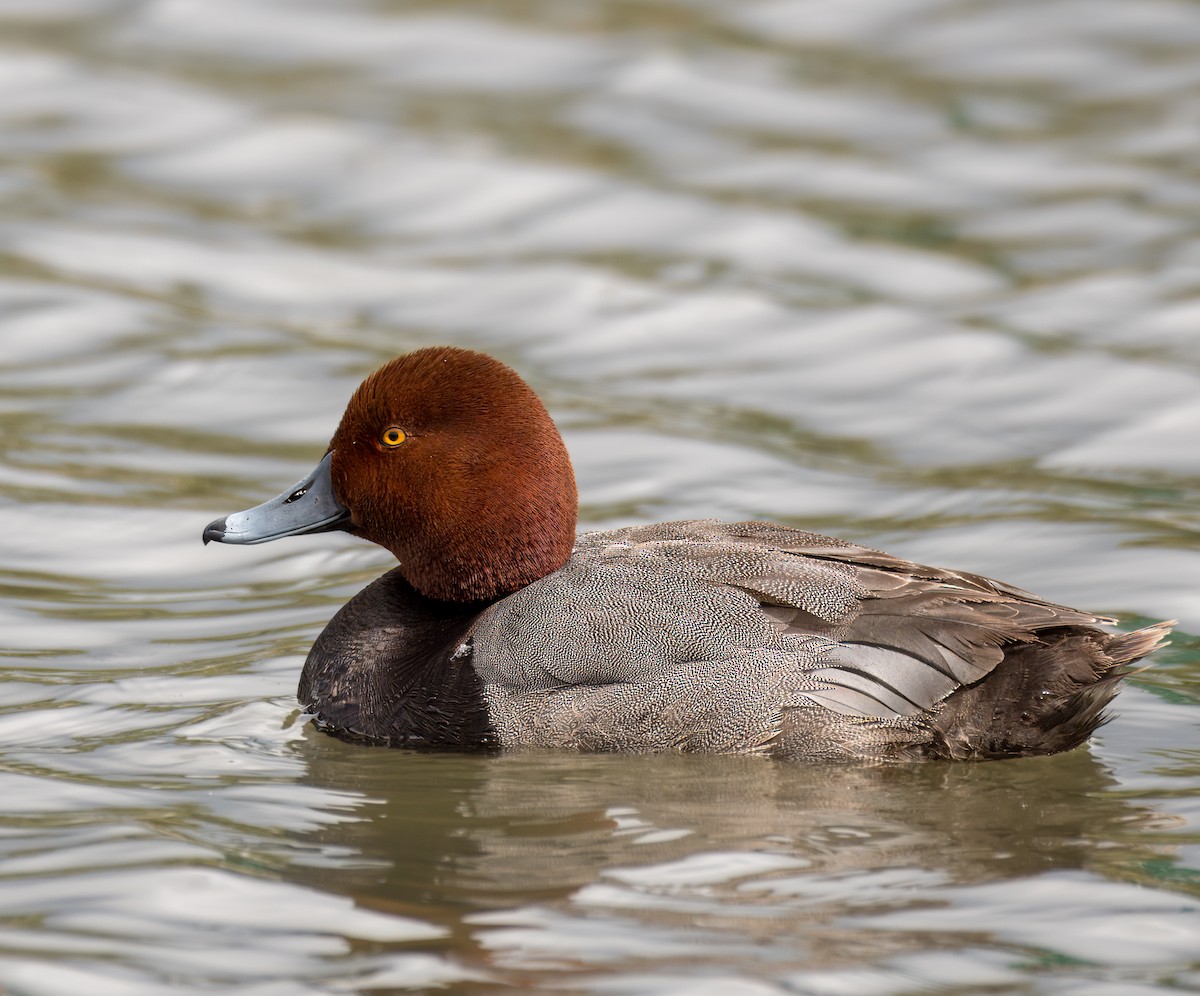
393,436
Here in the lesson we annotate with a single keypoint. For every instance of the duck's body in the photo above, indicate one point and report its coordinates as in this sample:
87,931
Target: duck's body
695,636
705,636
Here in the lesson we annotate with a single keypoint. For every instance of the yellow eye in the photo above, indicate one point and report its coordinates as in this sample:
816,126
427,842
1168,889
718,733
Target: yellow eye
393,436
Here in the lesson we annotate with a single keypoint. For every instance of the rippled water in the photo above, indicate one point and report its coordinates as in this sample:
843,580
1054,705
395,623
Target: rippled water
921,273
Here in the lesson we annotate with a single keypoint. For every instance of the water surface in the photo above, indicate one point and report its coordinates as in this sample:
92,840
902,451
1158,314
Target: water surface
919,273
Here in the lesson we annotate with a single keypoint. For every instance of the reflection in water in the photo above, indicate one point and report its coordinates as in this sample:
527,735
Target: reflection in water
518,849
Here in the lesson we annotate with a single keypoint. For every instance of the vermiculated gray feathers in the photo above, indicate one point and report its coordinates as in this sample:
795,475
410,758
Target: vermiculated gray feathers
753,636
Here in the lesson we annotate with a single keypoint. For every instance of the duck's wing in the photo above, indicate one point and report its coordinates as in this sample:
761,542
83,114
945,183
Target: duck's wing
904,636
916,633
754,637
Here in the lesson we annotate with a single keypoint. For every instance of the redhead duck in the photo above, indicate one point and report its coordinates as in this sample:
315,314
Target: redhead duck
502,628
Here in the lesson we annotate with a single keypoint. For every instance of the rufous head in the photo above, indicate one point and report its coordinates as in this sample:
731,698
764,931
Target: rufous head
448,459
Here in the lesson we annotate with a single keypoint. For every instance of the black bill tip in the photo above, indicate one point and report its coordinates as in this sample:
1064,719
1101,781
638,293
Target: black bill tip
214,531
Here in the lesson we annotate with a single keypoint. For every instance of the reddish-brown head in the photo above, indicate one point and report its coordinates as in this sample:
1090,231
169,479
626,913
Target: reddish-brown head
448,459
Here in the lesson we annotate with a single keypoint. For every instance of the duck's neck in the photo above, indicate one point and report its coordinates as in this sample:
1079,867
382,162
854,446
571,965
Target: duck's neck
479,562
394,667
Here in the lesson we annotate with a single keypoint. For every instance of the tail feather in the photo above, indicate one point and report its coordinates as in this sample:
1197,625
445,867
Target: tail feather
1125,648
1043,697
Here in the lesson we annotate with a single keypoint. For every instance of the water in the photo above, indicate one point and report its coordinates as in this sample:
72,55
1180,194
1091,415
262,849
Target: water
919,273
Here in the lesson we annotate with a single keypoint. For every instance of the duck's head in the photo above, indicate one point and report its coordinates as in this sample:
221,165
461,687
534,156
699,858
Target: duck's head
448,459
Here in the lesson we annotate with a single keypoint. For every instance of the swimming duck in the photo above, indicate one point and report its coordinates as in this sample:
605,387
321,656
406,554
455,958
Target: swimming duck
502,628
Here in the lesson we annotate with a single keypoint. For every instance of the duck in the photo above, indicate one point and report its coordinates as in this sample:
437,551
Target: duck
502,629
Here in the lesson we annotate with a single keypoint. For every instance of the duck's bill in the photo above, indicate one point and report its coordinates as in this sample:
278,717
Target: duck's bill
309,506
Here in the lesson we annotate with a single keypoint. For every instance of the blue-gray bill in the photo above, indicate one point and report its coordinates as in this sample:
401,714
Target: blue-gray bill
309,506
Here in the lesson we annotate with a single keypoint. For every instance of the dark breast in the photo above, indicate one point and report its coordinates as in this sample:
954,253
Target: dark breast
394,668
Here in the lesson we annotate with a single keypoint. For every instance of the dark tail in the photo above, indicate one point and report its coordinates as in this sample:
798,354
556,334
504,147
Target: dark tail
1043,697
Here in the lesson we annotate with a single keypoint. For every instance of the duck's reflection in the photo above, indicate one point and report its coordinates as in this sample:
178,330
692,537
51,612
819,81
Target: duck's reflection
446,834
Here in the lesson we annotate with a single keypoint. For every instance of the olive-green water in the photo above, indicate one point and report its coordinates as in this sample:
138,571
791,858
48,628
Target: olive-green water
921,273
